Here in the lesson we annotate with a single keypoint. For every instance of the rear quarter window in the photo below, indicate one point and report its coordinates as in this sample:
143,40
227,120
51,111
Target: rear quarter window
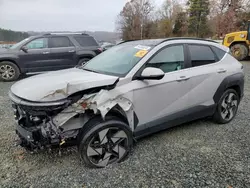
86,41
219,53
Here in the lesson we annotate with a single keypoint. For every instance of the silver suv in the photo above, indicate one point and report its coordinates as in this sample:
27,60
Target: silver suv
129,91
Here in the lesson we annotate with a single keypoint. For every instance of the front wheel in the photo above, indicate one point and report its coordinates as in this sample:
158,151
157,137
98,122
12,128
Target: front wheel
106,142
9,71
227,107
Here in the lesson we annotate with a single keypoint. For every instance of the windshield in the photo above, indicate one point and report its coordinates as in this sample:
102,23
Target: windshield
19,43
118,60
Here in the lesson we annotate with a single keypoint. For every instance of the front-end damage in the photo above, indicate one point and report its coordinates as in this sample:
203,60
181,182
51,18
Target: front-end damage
43,125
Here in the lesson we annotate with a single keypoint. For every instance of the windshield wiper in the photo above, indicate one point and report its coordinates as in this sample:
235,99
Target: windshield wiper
89,70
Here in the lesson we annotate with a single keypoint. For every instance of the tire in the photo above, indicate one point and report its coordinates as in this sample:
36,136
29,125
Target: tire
105,142
239,51
227,107
9,71
83,61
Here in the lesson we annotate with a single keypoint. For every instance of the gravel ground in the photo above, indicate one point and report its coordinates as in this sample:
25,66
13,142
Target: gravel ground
197,154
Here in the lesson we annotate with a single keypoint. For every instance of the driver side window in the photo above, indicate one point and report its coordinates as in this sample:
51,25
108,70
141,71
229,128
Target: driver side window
169,59
38,43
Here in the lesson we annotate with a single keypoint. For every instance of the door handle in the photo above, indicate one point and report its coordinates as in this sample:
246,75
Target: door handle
182,78
45,52
222,70
70,51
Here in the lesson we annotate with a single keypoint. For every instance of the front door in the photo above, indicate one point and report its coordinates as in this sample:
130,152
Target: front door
37,56
158,101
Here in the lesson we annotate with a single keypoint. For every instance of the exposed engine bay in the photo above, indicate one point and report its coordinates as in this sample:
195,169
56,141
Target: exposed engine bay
44,125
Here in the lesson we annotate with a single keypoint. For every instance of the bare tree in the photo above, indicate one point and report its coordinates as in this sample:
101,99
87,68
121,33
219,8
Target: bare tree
134,18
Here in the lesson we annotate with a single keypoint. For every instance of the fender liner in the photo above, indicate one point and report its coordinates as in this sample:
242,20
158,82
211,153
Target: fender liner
230,81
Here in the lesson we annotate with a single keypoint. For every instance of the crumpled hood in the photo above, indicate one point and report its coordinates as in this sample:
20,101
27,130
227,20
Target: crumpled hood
59,85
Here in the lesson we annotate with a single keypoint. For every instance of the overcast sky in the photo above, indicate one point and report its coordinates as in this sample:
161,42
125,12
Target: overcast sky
60,15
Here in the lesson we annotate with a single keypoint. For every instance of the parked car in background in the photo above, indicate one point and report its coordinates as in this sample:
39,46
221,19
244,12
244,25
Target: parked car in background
49,52
107,46
134,89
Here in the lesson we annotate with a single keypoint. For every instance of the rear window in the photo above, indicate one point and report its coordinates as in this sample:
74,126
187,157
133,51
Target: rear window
86,41
220,53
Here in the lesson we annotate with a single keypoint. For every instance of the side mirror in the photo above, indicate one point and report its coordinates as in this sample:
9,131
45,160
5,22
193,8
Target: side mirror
24,48
151,73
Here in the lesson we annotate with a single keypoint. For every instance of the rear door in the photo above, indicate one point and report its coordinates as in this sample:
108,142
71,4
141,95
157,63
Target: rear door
37,56
62,53
88,45
206,73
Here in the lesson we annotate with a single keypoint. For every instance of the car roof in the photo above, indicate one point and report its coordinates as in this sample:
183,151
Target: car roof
155,42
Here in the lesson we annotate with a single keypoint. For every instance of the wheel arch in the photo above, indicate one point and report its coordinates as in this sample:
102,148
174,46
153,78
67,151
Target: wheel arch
235,82
85,56
117,111
12,61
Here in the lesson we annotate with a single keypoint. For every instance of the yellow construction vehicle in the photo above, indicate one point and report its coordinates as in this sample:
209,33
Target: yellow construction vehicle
239,43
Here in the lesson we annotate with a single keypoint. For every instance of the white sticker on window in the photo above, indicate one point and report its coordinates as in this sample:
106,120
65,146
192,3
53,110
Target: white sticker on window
141,47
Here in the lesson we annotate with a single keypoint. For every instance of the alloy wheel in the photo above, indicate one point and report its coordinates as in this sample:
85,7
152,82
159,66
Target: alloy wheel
7,72
229,106
107,146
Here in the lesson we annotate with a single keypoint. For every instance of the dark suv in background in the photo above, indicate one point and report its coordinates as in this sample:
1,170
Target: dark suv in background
49,52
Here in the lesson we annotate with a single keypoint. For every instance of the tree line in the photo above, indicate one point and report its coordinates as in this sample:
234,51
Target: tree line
12,36
140,19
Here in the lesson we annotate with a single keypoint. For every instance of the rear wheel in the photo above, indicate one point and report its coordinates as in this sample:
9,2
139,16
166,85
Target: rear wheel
8,71
83,61
106,142
239,51
227,107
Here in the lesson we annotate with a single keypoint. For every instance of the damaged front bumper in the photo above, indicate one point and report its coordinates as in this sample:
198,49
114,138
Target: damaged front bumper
34,132
33,123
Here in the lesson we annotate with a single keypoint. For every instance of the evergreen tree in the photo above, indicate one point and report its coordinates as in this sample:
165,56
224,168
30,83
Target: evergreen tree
180,24
12,36
198,13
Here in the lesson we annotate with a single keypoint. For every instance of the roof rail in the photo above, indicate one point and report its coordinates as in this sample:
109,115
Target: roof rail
66,33
188,38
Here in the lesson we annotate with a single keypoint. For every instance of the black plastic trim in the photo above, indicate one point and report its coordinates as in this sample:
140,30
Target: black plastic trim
230,81
136,120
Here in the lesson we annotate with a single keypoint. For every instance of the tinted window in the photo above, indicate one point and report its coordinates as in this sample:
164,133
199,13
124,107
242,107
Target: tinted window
220,53
38,43
59,42
201,55
169,59
86,41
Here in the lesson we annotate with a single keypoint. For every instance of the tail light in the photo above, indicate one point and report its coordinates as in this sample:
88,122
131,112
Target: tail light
100,49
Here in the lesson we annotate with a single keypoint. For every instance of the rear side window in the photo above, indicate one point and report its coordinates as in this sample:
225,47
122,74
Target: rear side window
59,42
201,55
220,53
86,41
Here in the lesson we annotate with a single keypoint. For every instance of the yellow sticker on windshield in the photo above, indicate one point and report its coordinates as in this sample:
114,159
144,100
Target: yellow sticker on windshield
141,53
